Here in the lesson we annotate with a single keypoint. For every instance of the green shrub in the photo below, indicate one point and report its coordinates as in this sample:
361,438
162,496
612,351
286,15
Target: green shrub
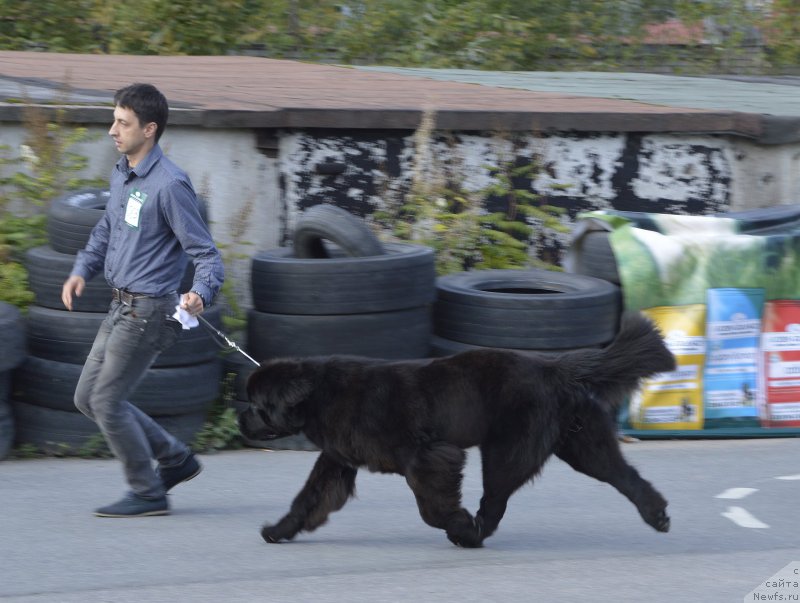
45,166
439,212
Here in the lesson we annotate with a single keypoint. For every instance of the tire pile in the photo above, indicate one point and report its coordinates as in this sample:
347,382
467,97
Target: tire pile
338,290
523,310
177,390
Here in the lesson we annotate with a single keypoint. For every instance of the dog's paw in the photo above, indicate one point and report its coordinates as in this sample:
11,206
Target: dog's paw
660,521
466,543
663,522
454,539
468,537
270,534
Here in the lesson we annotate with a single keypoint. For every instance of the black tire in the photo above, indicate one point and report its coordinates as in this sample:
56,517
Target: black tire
405,277
14,347
526,309
393,335
194,346
68,336
61,335
779,219
162,391
72,216
326,222
47,271
6,416
59,431
594,256
184,427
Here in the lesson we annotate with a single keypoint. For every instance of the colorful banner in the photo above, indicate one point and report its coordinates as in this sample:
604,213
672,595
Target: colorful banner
728,304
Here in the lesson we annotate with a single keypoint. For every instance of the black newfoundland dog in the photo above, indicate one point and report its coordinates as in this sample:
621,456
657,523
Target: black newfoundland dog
417,417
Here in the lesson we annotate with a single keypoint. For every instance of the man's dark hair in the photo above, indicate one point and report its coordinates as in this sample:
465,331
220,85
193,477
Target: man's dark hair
147,102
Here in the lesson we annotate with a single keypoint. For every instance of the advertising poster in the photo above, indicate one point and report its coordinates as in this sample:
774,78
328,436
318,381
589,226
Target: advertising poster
728,304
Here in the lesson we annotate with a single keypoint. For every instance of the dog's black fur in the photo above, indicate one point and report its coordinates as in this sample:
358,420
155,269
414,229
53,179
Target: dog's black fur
417,417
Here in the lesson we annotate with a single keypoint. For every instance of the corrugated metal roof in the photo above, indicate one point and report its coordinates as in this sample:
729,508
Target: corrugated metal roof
766,95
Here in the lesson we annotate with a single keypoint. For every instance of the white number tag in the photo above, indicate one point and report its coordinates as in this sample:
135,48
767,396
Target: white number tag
133,210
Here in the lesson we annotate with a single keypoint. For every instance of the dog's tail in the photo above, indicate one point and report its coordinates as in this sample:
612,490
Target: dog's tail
638,351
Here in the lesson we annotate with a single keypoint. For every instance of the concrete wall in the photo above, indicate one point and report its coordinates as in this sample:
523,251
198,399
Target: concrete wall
660,173
254,198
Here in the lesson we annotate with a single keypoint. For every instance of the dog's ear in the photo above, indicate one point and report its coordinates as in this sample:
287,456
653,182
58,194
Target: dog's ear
293,391
255,392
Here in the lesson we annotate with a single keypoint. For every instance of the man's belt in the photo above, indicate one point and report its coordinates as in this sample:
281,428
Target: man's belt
126,297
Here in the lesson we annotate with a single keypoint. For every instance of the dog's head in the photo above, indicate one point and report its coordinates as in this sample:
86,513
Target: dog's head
277,392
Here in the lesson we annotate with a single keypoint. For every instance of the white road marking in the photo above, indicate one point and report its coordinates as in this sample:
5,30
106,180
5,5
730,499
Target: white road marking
734,493
741,517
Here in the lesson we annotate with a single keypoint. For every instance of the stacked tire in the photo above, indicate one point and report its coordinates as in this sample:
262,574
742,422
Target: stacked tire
338,290
12,354
523,310
176,391
376,306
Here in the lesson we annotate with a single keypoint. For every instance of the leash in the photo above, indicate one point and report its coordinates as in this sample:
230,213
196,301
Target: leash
230,344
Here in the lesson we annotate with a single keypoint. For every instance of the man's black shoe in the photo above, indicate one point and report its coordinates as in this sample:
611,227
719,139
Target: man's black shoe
172,476
134,505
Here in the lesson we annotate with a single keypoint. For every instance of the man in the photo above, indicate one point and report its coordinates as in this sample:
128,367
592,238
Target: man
151,222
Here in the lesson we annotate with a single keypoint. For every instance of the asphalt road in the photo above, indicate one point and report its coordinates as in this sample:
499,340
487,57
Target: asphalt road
734,508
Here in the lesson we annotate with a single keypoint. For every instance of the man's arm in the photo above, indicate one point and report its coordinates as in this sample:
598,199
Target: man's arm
182,212
88,263
74,285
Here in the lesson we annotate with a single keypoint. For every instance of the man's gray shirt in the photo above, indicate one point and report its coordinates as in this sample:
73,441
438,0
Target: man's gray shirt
151,219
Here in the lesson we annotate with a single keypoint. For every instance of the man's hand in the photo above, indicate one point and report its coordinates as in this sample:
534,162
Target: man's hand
192,303
74,285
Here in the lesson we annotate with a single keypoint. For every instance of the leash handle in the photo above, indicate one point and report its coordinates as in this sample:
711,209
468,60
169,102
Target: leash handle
231,344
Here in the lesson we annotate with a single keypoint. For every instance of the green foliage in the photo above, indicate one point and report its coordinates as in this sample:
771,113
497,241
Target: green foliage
25,451
235,318
439,212
14,285
783,32
46,166
20,233
379,31
306,29
95,447
176,26
54,25
510,232
445,220
221,430
730,26
484,34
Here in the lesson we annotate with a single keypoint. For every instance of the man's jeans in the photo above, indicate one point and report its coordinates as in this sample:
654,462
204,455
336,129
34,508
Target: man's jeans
129,339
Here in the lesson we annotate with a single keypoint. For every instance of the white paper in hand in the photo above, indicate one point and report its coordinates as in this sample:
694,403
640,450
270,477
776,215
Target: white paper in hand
187,320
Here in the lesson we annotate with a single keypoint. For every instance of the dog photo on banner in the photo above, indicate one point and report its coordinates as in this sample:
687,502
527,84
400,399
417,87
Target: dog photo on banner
728,303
